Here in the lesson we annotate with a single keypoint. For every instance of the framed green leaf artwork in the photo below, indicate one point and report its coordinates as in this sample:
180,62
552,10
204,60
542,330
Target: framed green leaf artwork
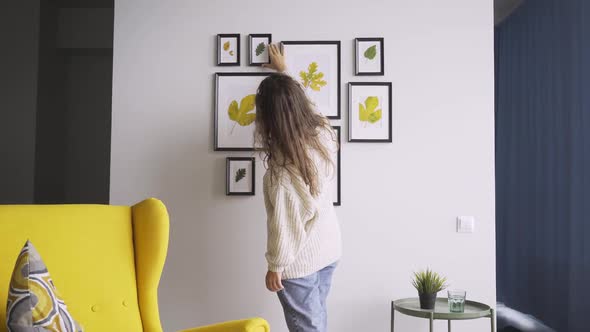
228,49
258,49
369,56
240,176
370,112
316,65
235,110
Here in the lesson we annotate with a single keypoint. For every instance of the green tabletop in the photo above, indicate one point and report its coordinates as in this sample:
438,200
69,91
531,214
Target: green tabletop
411,307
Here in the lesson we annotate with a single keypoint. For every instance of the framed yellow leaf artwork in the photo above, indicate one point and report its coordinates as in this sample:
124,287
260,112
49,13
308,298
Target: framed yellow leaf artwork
228,49
370,112
316,65
235,110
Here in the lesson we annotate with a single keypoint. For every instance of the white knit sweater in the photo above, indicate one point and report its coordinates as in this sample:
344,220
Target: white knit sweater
303,230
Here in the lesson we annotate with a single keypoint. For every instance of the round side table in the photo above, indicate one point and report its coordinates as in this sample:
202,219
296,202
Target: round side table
473,310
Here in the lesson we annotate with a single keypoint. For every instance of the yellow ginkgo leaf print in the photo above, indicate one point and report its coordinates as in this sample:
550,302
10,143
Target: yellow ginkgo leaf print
226,46
241,115
312,78
368,112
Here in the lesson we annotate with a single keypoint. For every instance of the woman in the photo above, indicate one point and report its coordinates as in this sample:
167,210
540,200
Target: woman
303,232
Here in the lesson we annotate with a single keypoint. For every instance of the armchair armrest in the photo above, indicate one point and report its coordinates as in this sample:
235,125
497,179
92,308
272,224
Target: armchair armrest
245,325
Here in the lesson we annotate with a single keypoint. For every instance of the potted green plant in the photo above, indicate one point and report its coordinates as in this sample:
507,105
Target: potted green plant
428,283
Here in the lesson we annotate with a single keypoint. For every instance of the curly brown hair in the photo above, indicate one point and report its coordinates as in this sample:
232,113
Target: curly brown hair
288,128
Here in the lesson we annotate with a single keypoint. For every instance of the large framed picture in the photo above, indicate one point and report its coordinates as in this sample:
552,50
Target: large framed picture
240,176
369,112
258,49
228,49
316,64
336,183
369,56
235,110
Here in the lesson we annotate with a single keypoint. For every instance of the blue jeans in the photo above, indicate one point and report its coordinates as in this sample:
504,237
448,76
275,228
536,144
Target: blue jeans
304,301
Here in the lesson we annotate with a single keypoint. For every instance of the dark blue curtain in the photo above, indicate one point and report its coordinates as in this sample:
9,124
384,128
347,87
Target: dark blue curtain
543,162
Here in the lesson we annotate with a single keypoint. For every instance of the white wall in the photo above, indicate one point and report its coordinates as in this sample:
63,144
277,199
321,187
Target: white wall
400,200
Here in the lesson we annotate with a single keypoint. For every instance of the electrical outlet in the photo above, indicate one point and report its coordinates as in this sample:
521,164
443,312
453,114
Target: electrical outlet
465,224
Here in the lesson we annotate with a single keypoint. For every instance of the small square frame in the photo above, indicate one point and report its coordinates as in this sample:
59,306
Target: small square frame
252,176
220,47
250,46
381,42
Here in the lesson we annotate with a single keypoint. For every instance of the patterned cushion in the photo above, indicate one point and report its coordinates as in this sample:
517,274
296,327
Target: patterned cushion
34,305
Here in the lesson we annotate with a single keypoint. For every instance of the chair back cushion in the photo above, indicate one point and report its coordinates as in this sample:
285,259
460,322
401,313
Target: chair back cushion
89,251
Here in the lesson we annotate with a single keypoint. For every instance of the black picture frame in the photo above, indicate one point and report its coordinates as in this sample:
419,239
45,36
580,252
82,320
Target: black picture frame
228,176
351,85
338,130
339,70
381,42
216,146
250,45
219,49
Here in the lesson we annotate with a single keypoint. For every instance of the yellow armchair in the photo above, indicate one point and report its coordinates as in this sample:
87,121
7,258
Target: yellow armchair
106,261
250,325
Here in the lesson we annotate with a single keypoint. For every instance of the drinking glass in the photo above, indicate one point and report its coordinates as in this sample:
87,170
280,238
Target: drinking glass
456,300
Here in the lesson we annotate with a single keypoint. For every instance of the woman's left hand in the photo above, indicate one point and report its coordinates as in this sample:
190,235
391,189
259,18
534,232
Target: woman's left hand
273,281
